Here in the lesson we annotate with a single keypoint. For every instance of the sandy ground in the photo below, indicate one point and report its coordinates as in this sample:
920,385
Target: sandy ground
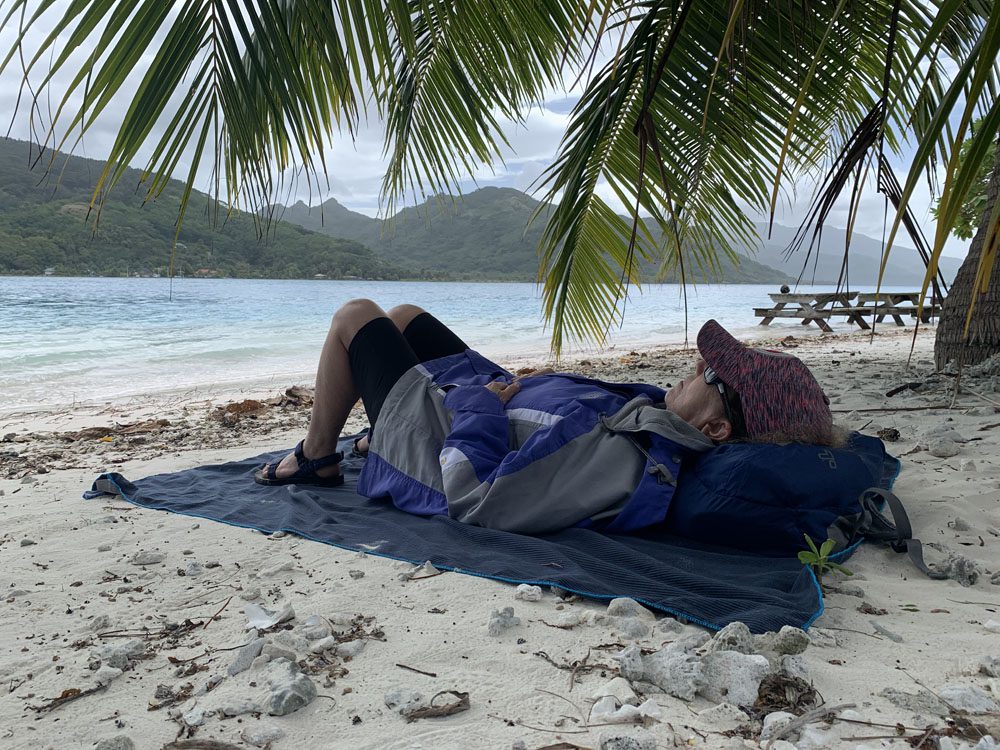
99,649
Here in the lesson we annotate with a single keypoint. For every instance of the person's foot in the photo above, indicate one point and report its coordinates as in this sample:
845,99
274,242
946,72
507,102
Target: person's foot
289,465
361,446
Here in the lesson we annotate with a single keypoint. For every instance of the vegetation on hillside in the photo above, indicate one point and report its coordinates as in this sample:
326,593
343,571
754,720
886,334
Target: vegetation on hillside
45,224
484,233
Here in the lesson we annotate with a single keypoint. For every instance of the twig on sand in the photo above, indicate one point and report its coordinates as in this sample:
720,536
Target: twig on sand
958,386
807,718
197,744
859,632
987,399
418,671
578,666
67,696
563,697
433,710
519,723
897,726
893,408
421,578
219,612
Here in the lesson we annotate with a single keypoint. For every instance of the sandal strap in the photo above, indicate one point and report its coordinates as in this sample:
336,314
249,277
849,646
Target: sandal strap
308,467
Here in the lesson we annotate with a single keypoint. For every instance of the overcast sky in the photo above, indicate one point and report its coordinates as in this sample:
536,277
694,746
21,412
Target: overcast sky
356,167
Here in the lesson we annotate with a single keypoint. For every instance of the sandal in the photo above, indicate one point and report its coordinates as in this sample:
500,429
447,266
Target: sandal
355,453
305,473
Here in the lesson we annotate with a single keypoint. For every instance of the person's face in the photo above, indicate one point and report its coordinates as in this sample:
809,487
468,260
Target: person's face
700,404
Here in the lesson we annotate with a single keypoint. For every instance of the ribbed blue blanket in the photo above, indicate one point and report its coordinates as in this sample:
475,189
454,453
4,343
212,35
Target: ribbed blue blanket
707,585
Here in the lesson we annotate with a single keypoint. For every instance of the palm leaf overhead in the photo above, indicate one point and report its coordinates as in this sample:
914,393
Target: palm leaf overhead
265,85
685,124
695,114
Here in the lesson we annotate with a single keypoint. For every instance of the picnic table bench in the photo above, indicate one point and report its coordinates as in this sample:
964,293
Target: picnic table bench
896,304
819,308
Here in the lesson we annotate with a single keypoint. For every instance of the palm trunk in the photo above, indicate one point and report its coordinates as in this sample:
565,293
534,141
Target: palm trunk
984,331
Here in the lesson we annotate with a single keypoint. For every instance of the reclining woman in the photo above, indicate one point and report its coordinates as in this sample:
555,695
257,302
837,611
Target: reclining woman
455,434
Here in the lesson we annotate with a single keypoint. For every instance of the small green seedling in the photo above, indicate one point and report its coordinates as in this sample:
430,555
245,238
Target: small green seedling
819,559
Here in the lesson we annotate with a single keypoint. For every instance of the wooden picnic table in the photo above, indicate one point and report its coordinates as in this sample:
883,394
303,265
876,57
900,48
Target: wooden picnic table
819,308
811,308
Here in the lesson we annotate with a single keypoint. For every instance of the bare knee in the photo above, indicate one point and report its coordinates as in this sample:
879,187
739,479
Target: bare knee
353,316
401,315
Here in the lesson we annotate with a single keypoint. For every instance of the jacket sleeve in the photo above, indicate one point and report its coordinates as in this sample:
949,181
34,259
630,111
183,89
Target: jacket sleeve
479,430
552,482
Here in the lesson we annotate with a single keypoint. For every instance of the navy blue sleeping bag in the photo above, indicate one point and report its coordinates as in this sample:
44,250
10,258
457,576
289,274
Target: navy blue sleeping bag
763,498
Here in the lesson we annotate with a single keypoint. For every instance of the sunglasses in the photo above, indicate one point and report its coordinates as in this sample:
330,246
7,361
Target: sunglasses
730,402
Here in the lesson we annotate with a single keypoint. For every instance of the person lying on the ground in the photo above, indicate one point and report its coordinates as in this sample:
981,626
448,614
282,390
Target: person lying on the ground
453,433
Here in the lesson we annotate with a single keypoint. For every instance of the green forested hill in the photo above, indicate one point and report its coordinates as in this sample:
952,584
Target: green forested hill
43,224
481,234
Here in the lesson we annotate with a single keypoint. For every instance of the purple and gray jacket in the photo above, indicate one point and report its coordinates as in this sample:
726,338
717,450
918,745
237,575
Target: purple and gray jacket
564,451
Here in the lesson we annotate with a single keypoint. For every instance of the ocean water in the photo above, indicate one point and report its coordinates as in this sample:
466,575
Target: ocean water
73,340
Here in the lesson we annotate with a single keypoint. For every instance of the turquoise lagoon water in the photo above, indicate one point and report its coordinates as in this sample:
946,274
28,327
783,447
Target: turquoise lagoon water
72,340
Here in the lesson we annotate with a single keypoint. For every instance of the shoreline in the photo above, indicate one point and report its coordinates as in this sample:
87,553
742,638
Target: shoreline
890,640
171,400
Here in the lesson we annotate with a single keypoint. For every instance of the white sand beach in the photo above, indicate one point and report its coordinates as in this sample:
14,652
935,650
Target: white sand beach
119,625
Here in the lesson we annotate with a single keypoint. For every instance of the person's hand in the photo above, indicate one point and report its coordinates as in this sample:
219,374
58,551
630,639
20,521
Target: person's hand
505,391
533,373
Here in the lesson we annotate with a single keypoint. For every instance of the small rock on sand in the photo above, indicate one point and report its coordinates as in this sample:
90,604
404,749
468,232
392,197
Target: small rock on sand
501,620
968,698
287,689
245,656
101,622
193,569
733,677
774,722
528,593
957,567
117,655
624,607
620,690
104,548
919,703
28,542
735,636
403,700
675,672
635,739
630,663
990,666
942,447
121,742
350,649
146,557
105,674
274,651
262,736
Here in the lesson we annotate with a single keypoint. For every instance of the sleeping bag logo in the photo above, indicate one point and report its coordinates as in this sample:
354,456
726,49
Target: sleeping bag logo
828,457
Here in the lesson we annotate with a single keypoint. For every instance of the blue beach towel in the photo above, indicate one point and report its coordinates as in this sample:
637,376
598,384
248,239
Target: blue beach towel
706,584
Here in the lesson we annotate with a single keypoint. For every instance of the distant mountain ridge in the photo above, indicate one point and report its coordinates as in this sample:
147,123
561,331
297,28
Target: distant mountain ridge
44,228
486,231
